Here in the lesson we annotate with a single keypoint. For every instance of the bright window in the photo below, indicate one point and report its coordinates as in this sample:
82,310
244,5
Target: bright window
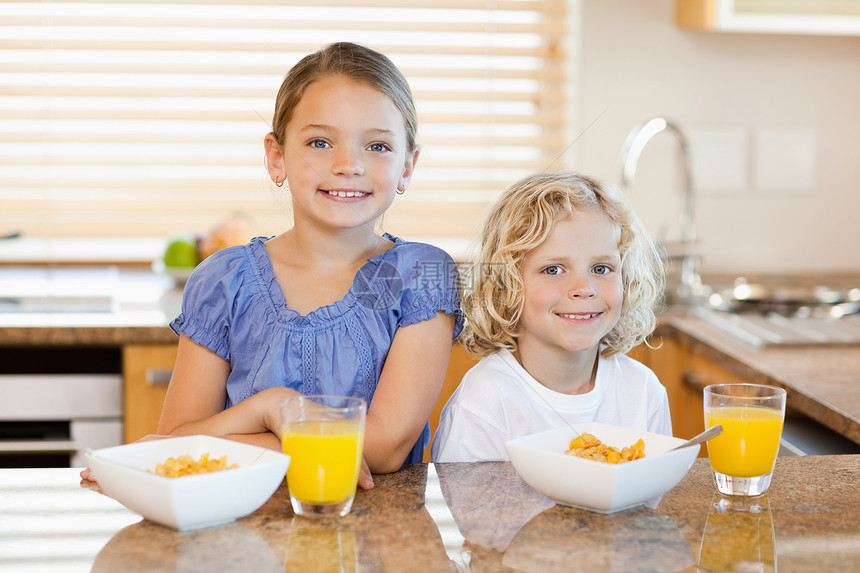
146,118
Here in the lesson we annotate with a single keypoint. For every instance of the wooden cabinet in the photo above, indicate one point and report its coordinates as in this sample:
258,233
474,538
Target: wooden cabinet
818,17
668,361
146,372
700,371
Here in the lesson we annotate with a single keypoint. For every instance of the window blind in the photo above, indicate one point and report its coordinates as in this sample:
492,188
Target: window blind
146,118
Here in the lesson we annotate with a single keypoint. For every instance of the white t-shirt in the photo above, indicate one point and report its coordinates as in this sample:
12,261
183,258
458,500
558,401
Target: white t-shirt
498,400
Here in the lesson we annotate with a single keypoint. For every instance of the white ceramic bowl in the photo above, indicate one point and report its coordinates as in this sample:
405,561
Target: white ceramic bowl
126,474
541,461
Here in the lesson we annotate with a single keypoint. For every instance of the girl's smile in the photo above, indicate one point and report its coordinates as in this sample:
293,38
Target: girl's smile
345,193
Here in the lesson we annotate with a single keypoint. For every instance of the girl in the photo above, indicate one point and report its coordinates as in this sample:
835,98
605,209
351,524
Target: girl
566,284
329,306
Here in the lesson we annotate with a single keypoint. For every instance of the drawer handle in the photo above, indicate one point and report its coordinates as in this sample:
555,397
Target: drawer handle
7,447
694,379
158,376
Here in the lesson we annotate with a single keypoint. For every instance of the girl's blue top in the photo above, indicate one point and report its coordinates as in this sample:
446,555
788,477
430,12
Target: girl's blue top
234,306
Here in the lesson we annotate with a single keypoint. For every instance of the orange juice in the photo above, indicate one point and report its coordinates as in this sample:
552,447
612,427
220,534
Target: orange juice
325,458
749,442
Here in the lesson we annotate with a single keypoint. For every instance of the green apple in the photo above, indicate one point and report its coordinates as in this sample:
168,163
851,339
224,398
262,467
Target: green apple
181,252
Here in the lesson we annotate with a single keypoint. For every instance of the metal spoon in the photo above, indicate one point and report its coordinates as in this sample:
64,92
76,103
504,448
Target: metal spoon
711,432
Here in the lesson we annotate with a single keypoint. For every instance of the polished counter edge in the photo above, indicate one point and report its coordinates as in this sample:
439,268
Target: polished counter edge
454,517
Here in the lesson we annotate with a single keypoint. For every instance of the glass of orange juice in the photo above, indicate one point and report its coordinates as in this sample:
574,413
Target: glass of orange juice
743,456
324,437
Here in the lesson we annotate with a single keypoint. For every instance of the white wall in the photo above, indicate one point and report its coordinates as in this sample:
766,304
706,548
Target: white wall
636,64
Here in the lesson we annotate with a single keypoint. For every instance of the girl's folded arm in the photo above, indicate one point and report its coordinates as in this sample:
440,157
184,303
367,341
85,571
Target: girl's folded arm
195,400
407,391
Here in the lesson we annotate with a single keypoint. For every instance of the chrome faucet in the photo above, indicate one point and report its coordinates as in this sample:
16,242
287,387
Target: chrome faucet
690,281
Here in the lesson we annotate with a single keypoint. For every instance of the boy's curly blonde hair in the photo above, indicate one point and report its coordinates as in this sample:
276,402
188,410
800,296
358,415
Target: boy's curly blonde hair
520,221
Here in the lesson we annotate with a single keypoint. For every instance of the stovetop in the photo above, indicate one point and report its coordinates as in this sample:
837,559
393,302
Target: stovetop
773,310
774,329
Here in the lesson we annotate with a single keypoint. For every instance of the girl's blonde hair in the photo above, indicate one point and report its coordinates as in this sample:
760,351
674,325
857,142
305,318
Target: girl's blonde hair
520,221
356,62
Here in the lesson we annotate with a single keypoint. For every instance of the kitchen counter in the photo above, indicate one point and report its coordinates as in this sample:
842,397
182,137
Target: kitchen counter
452,517
68,331
823,382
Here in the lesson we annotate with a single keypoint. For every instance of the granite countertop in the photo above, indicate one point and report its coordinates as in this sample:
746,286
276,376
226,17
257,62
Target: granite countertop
453,517
823,382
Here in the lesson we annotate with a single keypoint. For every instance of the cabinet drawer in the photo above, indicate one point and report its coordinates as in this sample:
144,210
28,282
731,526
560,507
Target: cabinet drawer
146,372
60,396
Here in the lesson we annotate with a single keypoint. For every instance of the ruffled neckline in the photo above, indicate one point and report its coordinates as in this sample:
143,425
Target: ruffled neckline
272,288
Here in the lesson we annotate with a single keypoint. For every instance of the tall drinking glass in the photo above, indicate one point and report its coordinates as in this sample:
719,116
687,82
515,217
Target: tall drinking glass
744,455
324,437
